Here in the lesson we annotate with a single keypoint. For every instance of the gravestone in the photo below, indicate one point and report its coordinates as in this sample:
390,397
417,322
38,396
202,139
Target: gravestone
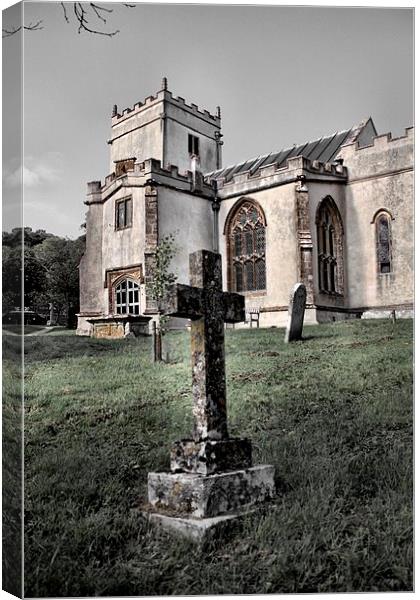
296,313
211,479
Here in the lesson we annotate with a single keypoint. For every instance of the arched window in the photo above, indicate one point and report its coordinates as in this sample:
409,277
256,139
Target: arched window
127,297
246,248
383,242
330,248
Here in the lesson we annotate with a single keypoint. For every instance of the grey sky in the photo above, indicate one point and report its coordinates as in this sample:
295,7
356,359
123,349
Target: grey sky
280,74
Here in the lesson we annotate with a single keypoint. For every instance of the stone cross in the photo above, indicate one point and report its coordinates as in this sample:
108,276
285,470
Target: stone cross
296,313
211,479
208,307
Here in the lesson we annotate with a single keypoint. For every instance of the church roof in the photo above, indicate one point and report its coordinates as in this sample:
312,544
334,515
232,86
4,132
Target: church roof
324,149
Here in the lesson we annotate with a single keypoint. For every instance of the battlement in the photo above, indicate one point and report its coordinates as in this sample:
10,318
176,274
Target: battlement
282,173
152,169
94,187
164,95
380,142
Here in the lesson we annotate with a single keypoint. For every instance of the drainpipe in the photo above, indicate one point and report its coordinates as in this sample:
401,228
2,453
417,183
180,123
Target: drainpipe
215,205
218,137
219,143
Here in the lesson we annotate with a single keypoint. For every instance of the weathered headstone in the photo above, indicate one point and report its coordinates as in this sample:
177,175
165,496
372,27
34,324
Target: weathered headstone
211,478
296,313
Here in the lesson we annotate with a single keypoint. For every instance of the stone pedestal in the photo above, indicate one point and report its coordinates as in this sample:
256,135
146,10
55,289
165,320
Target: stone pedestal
199,506
201,496
119,326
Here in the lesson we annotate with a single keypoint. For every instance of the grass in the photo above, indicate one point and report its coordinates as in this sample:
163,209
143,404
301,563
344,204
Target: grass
37,329
332,413
17,329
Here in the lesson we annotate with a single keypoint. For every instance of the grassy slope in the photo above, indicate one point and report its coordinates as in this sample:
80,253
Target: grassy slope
332,413
12,467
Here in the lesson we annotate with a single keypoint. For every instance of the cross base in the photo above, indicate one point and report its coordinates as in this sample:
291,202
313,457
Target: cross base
207,457
202,496
201,531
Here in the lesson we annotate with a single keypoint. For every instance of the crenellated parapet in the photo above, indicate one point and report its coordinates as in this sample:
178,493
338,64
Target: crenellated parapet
384,156
384,141
140,176
274,174
177,101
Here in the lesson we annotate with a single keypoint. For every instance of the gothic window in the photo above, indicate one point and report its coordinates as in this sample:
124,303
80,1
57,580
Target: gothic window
330,248
383,242
127,297
193,145
246,249
123,213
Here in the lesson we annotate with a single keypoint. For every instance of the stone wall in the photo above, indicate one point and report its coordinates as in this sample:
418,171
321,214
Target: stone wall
380,178
179,124
123,247
278,205
190,219
90,267
137,133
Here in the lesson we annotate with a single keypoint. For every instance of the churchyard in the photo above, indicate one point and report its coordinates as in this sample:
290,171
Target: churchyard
332,413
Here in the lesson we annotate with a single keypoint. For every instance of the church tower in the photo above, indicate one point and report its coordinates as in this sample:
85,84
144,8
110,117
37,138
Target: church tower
159,150
168,129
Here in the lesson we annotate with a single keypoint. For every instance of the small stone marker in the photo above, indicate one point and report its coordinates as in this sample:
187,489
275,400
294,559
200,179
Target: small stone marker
211,479
296,313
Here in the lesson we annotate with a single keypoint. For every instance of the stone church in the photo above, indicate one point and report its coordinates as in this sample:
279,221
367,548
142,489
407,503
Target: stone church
335,213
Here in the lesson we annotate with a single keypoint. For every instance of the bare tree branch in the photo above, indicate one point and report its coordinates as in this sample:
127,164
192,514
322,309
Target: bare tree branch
89,17
30,27
63,6
96,8
82,18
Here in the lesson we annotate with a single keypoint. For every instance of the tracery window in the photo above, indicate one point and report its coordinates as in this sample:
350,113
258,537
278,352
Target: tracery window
127,297
246,249
383,242
330,248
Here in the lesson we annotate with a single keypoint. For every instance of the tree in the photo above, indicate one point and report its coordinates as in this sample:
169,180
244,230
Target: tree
26,236
33,282
162,278
49,265
60,258
87,16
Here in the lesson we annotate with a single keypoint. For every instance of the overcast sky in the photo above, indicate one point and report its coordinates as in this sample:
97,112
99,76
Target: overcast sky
282,75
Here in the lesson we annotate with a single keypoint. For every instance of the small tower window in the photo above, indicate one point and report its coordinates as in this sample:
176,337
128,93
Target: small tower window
193,145
123,213
383,242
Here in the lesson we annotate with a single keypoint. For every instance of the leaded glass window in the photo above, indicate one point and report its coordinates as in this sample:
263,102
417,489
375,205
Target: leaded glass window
330,248
383,243
238,277
123,213
127,297
246,241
